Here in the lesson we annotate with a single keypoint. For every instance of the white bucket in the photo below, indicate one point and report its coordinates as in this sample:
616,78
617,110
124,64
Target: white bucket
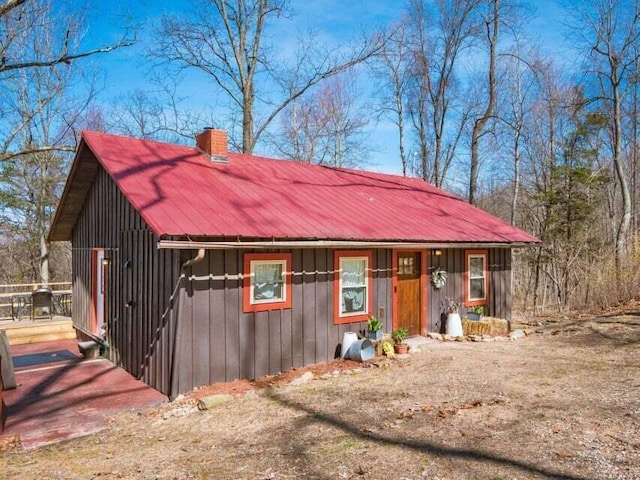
347,339
454,325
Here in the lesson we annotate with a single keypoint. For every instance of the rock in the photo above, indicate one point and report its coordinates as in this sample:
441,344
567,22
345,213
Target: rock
413,350
459,339
517,335
305,378
207,403
434,336
447,338
475,338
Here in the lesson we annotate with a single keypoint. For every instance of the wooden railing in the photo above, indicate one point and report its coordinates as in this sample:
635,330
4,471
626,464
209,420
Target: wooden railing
11,295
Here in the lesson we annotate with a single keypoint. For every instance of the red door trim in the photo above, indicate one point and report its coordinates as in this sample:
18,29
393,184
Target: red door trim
93,322
423,287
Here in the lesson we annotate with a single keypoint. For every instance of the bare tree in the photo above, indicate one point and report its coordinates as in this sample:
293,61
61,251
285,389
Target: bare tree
57,45
157,113
492,25
327,127
225,40
393,69
611,30
37,118
436,41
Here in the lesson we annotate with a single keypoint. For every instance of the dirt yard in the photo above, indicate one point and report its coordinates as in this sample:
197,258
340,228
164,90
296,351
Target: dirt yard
561,403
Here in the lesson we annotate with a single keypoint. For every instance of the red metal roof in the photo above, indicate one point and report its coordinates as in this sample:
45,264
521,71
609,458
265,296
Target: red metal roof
180,192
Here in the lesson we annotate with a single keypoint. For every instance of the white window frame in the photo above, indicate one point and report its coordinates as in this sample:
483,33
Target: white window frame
283,288
367,286
471,256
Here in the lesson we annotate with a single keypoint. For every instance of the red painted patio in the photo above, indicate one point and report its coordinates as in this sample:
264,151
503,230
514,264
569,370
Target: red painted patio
60,395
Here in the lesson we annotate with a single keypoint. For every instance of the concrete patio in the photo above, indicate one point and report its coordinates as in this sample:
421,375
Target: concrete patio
60,395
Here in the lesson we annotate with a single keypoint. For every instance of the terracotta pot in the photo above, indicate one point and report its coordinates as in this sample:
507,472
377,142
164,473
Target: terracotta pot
401,348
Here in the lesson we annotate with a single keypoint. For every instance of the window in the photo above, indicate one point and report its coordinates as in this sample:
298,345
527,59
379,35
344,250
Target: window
476,278
266,282
352,286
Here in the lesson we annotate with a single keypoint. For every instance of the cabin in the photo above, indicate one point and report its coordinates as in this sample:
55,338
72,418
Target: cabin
198,265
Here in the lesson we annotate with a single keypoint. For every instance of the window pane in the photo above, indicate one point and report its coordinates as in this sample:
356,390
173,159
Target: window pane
353,272
353,299
476,289
476,267
267,281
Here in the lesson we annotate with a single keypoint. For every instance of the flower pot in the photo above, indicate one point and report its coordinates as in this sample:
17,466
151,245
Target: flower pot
474,316
454,325
377,335
401,348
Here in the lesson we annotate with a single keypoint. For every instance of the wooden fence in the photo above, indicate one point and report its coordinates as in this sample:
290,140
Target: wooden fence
14,297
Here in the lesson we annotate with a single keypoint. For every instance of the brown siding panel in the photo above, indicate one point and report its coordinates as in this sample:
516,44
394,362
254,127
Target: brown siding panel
232,308
136,337
217,328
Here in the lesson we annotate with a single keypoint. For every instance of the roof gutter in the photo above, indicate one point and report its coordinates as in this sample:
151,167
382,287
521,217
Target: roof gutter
191,245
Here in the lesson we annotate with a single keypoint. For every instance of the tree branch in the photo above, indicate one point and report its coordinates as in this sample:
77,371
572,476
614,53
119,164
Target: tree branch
65,58
29,151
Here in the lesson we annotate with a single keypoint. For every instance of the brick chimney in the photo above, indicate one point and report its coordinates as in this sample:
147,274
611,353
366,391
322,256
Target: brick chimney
214,143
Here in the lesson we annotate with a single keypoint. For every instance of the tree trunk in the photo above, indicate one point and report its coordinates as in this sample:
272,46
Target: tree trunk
625,220
516,180
44,259
479,124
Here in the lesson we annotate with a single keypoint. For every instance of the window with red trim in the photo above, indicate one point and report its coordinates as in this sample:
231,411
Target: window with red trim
476,288
266,282
352,286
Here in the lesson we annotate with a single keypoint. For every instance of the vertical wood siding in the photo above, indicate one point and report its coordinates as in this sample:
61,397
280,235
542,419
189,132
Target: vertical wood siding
140,337
452,260
219,342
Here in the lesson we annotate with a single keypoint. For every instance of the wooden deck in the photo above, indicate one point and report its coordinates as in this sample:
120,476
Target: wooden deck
60,395
21,332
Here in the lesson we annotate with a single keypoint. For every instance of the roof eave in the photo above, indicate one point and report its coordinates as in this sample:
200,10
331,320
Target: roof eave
302,244
62,228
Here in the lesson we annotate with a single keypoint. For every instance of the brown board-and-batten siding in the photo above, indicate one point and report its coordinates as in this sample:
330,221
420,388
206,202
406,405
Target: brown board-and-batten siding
452,260
217,341
140,280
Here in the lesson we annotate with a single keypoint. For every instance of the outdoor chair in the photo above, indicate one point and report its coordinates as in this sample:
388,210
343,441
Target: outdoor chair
20,305
42,303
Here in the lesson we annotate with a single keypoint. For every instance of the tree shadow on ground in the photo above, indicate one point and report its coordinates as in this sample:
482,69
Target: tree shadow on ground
418,446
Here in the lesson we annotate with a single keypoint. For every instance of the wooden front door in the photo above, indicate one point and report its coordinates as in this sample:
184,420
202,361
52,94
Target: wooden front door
409,293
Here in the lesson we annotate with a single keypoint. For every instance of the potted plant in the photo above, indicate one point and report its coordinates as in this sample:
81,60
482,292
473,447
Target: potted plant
374,328
475,313
454,322
398,336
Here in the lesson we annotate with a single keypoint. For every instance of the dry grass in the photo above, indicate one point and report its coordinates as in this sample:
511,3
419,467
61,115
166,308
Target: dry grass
564,403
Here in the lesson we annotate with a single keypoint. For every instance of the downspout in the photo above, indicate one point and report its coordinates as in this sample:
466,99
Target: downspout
174,367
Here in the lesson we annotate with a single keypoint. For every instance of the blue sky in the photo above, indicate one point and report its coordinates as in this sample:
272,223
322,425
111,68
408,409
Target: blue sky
334,21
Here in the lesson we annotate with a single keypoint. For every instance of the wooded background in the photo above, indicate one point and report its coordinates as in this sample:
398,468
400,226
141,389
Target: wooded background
477,105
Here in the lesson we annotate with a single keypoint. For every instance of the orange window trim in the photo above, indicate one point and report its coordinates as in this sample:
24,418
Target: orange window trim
247,306
481,301
337,301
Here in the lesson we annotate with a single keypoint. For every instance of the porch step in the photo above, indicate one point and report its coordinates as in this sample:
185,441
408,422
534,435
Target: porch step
22,333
